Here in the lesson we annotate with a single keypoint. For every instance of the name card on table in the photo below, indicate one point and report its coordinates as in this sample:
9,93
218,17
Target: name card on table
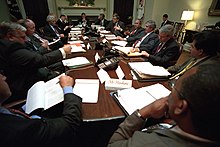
117,84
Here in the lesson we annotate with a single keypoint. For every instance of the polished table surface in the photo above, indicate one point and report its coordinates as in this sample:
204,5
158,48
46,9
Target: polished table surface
106,108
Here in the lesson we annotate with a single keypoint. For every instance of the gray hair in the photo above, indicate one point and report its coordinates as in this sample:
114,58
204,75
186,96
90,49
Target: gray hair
51,18
167,29
151,23
10,28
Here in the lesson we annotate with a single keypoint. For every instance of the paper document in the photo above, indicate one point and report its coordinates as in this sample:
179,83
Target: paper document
77,48
148,69
120,43
50,43
120,73
132,99
76,61
44,95
127,51
103,75
87,89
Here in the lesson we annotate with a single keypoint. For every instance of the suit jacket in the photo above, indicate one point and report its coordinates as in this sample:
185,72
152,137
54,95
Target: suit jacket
62,25
23,67
98,22
127,135
61,131
50,34
149,43
167,55
137,35
111,26
207,60
166,22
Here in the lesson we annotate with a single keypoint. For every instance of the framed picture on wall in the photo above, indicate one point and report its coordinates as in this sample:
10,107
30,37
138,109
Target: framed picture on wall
214,9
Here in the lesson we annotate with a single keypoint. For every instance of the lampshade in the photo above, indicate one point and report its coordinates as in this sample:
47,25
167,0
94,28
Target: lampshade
187,15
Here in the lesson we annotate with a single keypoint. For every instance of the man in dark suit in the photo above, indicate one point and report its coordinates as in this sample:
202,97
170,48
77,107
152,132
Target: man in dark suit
63,24
24,67
204,49
116,26
131,37
147,40
166,21
166,53
22,130
52,31
83,20
194,94
101,20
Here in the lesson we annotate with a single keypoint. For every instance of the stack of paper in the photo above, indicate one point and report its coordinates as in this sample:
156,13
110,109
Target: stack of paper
148,69
132,99
87,89
76,62
77,48
127,51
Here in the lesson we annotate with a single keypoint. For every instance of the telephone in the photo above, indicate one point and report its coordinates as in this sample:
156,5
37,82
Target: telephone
108,63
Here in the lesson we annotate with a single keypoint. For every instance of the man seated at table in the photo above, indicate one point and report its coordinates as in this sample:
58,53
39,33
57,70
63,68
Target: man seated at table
195,94
18,129
131,37
22,66
167,52
63,24
116,26
146,40
204,49
101,21
52,31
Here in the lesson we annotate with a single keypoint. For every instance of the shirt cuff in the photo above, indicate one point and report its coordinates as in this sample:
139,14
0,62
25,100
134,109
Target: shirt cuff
67,89
62,52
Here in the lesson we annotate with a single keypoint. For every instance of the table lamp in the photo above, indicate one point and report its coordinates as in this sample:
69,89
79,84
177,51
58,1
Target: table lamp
187,15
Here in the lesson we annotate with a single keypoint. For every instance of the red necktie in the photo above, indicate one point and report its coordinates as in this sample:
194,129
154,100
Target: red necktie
158,48
19,113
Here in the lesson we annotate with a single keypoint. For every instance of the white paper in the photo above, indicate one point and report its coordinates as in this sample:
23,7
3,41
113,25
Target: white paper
33,102
89,46
75,42
127,51
87,89
132,99
104,32
97,57
148,68
120,73
75,61
77,48
103,75
50,43
120,43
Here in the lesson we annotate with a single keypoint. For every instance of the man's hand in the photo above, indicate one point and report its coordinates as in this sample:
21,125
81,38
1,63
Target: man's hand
156,110
132,50
144,53
66,81
119,38
67,49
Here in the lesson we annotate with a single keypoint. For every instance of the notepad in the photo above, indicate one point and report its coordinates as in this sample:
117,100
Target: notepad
132,99
87,89
127,51
76,62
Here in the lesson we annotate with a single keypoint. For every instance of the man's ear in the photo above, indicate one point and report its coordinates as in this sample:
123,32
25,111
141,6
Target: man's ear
181,107
201,51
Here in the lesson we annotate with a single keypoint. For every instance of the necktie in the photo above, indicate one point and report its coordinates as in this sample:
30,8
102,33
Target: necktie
19,113
188,66
159,48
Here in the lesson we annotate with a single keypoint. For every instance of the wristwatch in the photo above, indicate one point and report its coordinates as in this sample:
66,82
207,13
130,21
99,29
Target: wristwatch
139,115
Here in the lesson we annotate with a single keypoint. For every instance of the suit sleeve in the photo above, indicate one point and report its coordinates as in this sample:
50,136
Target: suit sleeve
57,129
29,59
126,129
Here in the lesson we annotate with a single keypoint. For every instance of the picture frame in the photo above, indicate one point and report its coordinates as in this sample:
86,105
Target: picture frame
214,9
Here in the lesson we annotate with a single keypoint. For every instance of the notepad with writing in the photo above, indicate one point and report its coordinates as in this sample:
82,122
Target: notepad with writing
44,95
132,99
76,62
127,51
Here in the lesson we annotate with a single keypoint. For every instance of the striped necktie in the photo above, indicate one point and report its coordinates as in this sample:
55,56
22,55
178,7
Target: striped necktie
181,72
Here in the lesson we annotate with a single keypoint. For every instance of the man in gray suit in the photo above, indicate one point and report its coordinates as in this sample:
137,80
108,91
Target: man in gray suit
193,104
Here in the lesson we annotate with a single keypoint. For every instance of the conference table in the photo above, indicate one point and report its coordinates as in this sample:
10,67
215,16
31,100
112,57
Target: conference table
101,119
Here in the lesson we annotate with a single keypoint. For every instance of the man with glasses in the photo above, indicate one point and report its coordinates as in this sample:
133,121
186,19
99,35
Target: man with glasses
167,52
193,104
204,49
